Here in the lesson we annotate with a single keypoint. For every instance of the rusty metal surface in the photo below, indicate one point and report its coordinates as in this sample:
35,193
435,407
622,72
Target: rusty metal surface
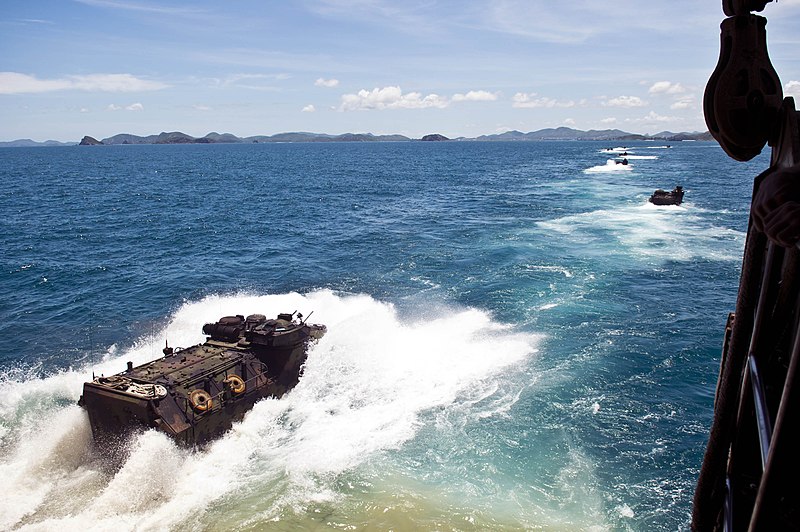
195,394
748,477
743,94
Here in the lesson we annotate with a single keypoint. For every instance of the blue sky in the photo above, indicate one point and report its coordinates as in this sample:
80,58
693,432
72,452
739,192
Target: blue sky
70,68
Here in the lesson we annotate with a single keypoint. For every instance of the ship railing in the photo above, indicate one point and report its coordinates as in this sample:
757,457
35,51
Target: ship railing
753,373
779,465
756,400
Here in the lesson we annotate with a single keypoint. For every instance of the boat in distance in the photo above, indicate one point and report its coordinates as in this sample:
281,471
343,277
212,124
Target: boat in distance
195,394
663,197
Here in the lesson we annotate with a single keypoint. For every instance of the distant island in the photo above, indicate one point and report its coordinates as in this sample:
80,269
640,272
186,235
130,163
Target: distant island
176,137
434,137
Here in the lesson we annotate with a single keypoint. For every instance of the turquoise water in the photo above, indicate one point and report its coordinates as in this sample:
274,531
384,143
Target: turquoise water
517,339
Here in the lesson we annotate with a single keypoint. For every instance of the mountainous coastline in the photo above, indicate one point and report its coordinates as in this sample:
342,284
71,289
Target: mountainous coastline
177,137
566,133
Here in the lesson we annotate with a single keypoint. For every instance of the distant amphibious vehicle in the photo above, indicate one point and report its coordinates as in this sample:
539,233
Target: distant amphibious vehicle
662,197
195,394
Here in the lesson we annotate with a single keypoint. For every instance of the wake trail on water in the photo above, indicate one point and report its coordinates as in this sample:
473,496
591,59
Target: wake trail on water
364,388
610,166
651,232
631,157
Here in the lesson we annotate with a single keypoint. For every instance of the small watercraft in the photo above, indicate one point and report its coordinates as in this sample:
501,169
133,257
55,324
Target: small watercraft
663,197
195,394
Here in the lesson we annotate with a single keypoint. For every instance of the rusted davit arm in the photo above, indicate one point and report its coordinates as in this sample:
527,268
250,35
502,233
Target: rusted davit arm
749,477
751,460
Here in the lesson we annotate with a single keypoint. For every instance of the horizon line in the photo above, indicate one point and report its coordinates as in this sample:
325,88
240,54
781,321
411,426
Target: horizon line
333,135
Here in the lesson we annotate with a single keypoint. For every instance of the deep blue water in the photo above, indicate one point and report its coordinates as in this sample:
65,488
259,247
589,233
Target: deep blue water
518,340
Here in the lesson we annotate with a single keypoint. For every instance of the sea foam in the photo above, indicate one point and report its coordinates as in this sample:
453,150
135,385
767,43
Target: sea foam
365,385
610,166
649,232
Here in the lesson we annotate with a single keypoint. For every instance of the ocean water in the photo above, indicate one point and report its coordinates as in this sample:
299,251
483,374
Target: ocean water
517,339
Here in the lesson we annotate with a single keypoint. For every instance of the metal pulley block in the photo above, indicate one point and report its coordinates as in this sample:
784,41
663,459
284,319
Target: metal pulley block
786,152
744,93
743,7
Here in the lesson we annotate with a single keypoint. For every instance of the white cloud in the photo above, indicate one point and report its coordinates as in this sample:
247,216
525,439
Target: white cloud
200,107
609,120
686,102
390,98
308,109
666,87
475,96
134,6
530,101
680,99
624,101
16,83
250,81
322,82
235,78
792,88
540,20
36,21
132,107
569,122
393,98
652,118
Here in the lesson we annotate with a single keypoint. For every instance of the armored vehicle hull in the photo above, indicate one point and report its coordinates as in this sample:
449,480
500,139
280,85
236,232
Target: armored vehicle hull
195,394
662,197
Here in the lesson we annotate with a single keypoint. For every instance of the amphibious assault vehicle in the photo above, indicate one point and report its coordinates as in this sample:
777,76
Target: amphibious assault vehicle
662,197
195,394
